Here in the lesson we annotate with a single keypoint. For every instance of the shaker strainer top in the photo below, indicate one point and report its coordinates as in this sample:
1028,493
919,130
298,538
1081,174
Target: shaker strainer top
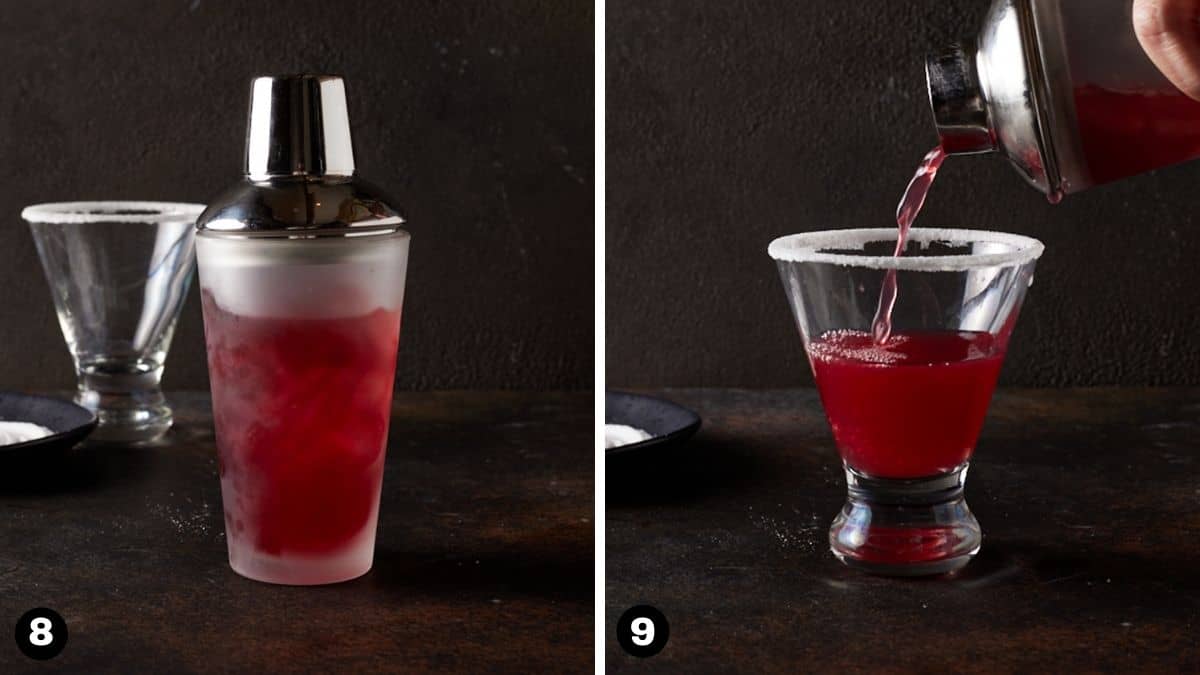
299,169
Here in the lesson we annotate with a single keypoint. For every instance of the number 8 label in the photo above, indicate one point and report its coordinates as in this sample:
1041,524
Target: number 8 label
41,636
41,633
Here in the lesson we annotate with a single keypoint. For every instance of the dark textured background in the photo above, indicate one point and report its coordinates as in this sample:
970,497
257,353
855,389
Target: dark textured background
730,124
477,116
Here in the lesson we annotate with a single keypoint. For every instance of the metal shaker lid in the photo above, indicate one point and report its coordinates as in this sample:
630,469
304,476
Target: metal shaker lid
298,127
299,168
990,95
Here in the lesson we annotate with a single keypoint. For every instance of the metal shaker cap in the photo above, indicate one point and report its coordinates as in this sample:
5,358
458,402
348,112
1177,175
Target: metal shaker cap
299,172
298,127
959,109
990,95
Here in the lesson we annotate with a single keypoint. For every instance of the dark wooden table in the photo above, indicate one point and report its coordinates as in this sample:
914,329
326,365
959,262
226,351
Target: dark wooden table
483,562
1089,502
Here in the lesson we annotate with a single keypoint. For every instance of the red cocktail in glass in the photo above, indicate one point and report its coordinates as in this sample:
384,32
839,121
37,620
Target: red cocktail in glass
906,410
911,407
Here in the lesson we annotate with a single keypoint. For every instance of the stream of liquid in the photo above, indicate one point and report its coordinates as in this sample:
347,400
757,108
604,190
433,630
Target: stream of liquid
906,213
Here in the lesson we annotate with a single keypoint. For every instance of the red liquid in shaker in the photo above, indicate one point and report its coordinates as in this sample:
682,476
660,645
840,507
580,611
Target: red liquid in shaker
1125,133
910,408
301,408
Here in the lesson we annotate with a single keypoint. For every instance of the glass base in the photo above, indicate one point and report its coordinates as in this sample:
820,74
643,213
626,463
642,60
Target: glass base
903,527
129,404
304,570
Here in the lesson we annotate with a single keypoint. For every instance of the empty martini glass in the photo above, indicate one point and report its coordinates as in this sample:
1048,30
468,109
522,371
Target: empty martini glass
906,413
118,273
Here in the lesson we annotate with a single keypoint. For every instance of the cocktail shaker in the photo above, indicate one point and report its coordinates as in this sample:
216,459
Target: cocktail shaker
302,272
1065,91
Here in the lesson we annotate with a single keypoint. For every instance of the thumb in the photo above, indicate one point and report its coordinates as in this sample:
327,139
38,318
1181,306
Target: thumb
1169,32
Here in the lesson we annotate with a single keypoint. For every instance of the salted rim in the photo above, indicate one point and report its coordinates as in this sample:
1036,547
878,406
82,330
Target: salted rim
80,213
810,247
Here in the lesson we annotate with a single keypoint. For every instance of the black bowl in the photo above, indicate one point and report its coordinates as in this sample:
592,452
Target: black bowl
69,422
668,423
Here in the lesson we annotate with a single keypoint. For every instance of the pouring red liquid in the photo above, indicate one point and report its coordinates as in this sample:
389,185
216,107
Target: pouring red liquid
907,404
906,213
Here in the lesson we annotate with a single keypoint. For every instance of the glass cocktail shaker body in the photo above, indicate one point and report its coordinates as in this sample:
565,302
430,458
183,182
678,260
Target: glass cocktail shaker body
302,273
1065,91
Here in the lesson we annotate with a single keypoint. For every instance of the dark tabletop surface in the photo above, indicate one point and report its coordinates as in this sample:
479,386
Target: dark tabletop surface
483,561
1089,502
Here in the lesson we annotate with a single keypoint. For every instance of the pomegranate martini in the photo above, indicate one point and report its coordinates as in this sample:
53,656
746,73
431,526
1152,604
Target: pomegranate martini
905,376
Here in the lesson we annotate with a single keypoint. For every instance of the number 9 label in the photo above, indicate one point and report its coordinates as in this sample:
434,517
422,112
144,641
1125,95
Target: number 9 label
642,631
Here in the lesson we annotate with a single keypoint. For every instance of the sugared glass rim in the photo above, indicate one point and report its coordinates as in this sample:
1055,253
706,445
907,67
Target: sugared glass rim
82,213
812,247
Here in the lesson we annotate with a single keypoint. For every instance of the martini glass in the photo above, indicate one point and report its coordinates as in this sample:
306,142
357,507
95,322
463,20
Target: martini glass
906,413
118,273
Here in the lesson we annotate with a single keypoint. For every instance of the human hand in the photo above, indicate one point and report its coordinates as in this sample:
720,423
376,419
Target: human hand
1169,31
